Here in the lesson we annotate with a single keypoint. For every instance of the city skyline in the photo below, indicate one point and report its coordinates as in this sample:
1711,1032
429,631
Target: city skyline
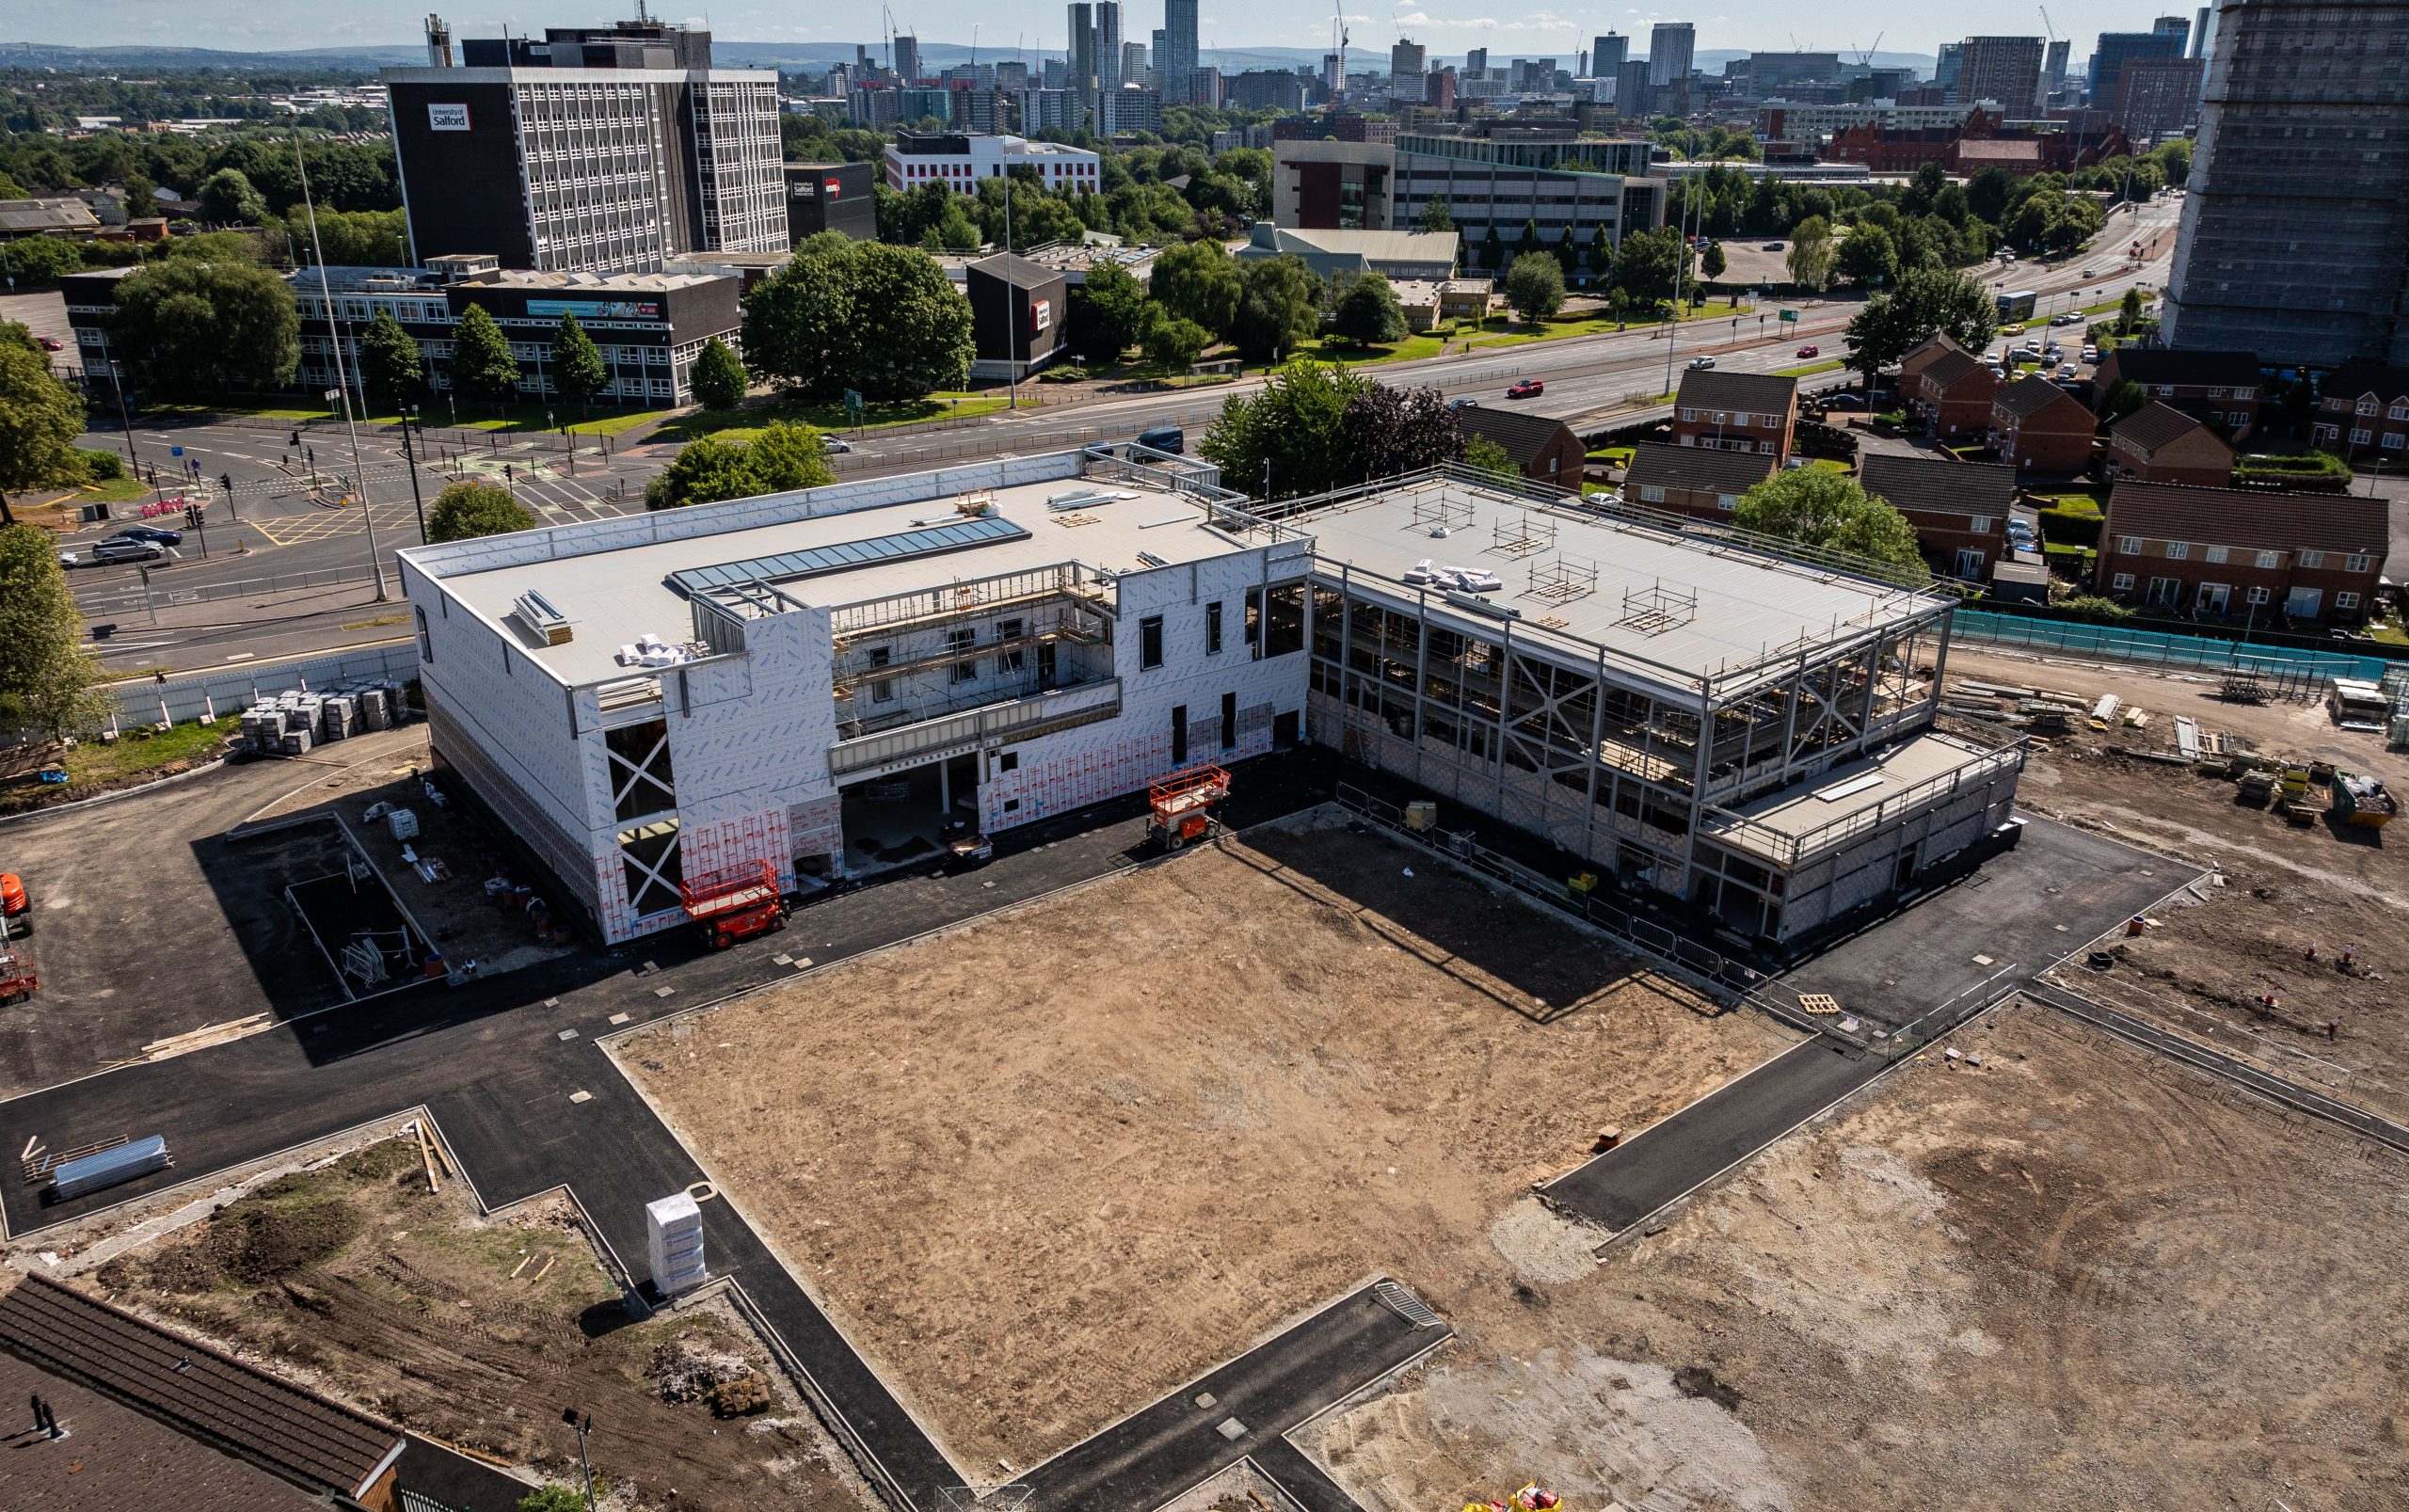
289,25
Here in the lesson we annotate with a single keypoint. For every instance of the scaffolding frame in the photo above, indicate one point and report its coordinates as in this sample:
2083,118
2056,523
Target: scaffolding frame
1523,535
1564,580
1658,608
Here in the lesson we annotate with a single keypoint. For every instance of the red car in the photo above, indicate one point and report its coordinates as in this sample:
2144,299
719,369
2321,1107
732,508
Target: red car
1527,389
1810,349
51,343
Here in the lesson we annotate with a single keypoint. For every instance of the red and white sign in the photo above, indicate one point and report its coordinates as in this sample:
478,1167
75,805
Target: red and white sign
829,186
1041,315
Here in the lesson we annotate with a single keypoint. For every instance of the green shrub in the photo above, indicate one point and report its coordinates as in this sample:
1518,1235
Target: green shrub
2091,606
1070,373
100,467
2065,527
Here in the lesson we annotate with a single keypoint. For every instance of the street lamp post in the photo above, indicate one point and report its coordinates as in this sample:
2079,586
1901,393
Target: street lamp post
334,340
410,462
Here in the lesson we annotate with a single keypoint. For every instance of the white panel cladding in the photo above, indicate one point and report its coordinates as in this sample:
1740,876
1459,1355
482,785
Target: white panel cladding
752,741
1061,773
514,710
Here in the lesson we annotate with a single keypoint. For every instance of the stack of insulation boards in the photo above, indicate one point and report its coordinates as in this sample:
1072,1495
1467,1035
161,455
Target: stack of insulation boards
106,1168
295,721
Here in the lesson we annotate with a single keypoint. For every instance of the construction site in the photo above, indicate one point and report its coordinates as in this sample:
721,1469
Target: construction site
1291,1061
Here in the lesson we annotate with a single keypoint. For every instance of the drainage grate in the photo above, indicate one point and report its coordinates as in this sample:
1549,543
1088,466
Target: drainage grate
1405,1304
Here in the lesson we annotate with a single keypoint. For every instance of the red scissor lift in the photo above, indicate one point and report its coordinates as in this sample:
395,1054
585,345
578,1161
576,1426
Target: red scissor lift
1183,804
735,904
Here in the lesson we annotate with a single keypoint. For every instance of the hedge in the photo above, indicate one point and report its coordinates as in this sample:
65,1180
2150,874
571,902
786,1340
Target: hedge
2066,527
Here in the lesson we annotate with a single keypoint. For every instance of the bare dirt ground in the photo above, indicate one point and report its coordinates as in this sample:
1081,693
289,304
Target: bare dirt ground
355,1279
2204,971
1050,1165
2073,1278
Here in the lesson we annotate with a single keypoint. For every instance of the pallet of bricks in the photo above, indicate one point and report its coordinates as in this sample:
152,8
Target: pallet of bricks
295,721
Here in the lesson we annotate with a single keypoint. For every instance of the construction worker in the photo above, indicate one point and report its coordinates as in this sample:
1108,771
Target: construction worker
2333,1028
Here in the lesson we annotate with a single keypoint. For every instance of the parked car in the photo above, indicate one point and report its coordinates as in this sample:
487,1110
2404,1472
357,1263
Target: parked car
1701,362
157,534
1527,389
1844,401
51,343
1773,246
1810,349
2065,370
1165,438
2091,354
118,548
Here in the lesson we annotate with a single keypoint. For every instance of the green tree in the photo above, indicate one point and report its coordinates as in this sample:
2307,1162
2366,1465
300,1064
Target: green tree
1279,308
1489,457
1293,425
1811,253
1647,265
1368,313
1868,255
2120,400
1386,433
391,364
482,366
1435,216
1107,313
38,260
1925,301
196,326
2128,312
227,199
40,419
554,1497
464,511
577,363
1535,287
1174,344
1814,506
784,457
1528,242
46,680
1197,281
1714,263
718,378
884,321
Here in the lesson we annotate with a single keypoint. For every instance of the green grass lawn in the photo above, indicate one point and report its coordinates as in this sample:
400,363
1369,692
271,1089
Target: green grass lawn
1411,349
1810,370
138,749
2388,631
113,491
744,424
2084,501
1613,456
509,419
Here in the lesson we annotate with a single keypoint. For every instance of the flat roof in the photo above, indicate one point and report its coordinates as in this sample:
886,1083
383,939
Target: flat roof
1675,608
1852,788
612,598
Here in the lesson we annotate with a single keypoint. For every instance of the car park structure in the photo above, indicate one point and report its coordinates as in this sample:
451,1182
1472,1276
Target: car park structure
839,678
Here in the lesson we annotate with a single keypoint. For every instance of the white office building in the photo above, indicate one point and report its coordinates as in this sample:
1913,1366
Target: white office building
960,160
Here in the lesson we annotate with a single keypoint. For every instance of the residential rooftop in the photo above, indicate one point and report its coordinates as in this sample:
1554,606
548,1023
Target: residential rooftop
2351,523
1939,486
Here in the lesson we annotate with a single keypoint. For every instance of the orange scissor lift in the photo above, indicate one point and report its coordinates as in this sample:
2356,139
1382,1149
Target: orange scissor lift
735,904
1183,805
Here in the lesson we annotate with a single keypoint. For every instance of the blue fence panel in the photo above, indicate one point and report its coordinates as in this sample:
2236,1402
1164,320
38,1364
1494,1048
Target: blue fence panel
2160,647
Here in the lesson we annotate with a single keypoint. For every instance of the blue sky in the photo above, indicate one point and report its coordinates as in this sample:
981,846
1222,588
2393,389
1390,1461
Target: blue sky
1446,25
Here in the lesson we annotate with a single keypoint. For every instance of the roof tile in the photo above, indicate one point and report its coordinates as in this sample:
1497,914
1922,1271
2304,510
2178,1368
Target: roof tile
2258,521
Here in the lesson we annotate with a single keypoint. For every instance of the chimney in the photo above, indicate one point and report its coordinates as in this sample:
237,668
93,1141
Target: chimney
438,42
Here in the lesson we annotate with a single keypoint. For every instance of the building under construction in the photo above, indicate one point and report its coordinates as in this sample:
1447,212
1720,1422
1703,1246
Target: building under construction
848,677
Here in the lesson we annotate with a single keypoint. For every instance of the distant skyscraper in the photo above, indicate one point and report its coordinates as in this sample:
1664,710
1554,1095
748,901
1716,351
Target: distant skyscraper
2288,78
1476,62
907,58
1108,45
2005,69
2115,48
2053,67
1408,62
1177,55
2200,32
1078,53
1670,46
1608,54
1951,63
2175,26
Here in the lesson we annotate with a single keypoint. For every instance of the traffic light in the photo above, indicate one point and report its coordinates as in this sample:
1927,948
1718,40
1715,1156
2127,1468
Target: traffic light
296,437
509,472
225,481
192,516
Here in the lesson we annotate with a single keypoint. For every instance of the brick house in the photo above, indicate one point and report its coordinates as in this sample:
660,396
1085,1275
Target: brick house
1736,412
2225,388
1960,509
1699,482
1954,393
2159,444
1544,447
2362,407
2039,427
2216,553
1921,356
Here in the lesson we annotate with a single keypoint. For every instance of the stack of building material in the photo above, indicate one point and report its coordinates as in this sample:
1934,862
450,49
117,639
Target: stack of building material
374,712
674,1228
340,717
106,1168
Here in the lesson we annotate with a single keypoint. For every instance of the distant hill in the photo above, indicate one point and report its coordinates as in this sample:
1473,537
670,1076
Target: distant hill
731,54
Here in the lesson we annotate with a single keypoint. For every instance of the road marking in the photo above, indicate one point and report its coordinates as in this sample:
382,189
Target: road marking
241,656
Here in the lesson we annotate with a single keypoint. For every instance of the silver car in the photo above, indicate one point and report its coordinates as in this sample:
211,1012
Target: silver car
124,548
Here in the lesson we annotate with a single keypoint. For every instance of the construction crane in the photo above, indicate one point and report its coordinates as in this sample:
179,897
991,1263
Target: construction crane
1338,30
1865,55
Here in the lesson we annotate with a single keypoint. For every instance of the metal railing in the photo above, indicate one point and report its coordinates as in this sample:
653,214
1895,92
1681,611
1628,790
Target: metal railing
2163,648
1020,718
1721,979
163,588
1789,848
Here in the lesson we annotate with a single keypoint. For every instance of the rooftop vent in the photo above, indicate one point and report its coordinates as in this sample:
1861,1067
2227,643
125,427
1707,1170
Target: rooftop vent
536,613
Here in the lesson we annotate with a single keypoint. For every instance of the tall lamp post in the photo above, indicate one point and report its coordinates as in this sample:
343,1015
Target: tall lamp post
409,461
341,390
583,1425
